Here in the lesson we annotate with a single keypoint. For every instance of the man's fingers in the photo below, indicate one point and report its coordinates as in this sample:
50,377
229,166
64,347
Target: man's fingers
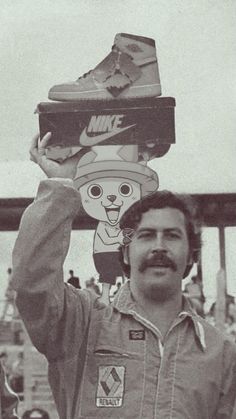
34,142
44,142
37,148
34,148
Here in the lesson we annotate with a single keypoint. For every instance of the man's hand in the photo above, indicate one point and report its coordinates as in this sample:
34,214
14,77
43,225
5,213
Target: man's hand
66,169
121,238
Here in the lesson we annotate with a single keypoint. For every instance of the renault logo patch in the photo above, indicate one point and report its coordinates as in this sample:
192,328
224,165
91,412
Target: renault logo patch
110,391
137,335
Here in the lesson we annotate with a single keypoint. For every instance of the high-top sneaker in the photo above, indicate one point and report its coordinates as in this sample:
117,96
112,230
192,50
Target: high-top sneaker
129,71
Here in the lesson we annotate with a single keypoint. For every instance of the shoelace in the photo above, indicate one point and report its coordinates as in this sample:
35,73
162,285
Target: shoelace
115,49
85,75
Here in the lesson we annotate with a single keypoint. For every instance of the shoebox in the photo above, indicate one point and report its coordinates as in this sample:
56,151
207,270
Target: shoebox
148,122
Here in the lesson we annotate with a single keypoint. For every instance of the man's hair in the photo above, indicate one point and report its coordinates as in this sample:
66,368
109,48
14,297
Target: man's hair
158,200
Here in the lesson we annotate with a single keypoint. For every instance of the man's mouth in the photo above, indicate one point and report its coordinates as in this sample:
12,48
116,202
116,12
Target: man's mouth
158,265
113,213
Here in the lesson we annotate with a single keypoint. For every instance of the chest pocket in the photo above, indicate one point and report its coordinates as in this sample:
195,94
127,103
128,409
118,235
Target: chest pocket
113,378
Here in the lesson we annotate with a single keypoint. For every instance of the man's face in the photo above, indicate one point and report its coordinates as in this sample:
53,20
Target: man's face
158,253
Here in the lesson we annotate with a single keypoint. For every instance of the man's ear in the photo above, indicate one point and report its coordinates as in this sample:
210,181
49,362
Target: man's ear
189,266
125,252
190,259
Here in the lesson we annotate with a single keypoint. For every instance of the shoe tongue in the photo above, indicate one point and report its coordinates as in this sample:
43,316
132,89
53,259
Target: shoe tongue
136,47
137,38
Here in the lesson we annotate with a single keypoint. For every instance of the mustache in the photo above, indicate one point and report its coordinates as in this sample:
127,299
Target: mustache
158,259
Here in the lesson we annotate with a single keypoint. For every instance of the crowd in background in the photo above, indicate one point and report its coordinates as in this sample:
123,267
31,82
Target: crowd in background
91,284
193,290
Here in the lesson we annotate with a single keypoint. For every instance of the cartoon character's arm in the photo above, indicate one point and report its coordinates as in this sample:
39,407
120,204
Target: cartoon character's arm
103,234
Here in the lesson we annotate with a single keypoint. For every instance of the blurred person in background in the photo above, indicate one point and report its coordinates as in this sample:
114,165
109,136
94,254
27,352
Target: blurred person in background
73,280
9,298
35,413
8,399
16,378
92,286
193,290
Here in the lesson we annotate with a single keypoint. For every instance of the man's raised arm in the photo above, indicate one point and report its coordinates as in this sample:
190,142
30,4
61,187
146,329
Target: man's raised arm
48,307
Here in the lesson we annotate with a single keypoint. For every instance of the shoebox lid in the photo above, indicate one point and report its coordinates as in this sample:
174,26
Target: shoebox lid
103,105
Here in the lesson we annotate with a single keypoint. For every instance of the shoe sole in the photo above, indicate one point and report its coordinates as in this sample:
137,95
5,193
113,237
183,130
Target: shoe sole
148,90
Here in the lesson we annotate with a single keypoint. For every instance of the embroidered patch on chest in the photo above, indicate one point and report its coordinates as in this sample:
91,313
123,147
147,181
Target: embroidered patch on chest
137,335
110,390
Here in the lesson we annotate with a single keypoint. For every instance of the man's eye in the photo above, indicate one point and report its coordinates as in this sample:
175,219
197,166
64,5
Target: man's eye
144,235
172,235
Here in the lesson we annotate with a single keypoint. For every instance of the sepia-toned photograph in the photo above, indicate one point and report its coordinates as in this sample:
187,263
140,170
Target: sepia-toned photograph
117,209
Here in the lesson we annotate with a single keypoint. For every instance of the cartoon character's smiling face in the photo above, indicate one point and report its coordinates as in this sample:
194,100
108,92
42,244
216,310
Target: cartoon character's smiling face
107,199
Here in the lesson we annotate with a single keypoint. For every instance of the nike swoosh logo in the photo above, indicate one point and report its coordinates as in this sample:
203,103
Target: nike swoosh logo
87,141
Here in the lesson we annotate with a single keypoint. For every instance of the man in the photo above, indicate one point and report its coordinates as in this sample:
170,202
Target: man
92,286
194,291
8,399
73,280
9,298
35,413
148,354
16,377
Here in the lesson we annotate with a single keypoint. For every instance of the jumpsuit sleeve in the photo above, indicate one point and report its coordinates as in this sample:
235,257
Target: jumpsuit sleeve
227,401
50,309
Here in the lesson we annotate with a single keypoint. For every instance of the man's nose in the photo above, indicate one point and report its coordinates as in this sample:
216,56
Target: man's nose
159,243
111,198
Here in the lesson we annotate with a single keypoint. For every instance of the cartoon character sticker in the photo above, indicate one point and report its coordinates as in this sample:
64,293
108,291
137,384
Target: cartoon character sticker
110,179
106,200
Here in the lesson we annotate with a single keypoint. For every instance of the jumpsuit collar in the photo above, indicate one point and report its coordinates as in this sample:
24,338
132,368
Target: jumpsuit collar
125,303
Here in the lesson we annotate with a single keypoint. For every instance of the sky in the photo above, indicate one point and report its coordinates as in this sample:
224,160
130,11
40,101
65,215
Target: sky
44,42
48,42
